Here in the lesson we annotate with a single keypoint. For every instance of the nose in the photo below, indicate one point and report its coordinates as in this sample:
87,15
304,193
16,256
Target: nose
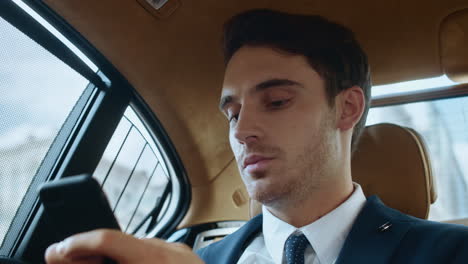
247,129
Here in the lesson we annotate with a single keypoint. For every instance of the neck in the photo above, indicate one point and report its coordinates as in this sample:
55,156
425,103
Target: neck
320,202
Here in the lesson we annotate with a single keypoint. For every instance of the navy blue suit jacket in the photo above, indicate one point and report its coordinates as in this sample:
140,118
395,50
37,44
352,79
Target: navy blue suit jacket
407,240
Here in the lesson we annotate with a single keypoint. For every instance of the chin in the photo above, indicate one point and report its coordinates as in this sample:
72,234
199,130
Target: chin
265,193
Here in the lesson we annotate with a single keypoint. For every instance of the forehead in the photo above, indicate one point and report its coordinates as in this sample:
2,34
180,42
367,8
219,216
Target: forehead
252,65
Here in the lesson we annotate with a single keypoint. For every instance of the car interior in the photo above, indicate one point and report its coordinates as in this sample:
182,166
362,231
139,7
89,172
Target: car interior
128,92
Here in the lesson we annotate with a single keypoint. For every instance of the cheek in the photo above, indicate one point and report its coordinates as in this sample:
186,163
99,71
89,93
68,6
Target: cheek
293,129
237,151
235,146
299,136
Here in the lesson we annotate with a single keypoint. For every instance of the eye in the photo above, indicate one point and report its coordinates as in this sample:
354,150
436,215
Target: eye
279,103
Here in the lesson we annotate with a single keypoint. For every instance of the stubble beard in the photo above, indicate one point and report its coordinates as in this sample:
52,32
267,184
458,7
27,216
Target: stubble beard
307,173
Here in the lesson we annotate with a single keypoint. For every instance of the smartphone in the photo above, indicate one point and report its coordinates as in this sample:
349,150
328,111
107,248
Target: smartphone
76,204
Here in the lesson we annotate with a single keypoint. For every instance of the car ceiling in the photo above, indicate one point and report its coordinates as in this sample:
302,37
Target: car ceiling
173,59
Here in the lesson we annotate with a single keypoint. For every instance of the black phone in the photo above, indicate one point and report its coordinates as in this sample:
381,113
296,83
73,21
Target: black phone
76,204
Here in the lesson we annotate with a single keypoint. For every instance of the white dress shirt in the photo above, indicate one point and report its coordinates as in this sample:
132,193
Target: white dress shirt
326,235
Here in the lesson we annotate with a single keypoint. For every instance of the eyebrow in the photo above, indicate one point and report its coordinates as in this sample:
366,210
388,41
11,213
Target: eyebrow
259,87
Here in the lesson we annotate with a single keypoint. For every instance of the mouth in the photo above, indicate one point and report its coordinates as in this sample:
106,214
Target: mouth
254,163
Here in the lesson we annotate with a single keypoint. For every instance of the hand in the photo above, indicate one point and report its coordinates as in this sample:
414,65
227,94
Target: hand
93,247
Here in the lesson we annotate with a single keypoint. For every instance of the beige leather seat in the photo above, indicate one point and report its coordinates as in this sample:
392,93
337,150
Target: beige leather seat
392,162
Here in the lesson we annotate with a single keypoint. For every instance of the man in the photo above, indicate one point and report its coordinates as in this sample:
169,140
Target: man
296,94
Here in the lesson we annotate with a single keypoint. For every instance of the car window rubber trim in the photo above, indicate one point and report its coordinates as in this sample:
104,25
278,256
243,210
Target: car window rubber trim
14,15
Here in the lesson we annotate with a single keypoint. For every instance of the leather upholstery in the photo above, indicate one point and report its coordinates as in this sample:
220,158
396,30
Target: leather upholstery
392,162
453,43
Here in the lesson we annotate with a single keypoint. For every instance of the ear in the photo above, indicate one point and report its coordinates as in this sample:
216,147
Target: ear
350,105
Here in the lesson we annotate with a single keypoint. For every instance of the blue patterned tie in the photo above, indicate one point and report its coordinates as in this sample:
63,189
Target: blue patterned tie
295,248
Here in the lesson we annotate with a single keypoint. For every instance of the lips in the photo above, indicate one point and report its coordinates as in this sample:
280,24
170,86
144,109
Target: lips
253,160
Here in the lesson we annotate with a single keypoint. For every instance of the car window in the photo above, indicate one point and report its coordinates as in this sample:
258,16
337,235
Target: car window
135,176
38,91
64,114
443,124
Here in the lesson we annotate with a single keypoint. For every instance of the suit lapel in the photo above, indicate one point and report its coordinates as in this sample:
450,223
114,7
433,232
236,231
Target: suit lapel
375,235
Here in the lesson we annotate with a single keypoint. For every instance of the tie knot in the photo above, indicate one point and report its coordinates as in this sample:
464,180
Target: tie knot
295,248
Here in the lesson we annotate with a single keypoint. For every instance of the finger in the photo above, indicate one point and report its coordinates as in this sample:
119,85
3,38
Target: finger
173,252
122,248
107,243
54,255
175,245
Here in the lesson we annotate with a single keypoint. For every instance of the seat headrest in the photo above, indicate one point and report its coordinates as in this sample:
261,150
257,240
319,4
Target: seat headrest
392,162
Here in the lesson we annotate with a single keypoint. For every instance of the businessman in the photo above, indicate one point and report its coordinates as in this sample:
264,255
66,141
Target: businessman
296,94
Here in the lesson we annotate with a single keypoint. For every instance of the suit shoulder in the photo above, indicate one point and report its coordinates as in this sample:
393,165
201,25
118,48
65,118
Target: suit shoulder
218,245
418,225
433,242
438,229
232,245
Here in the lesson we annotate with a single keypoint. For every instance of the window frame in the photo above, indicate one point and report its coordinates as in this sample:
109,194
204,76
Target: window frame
84,136
458,90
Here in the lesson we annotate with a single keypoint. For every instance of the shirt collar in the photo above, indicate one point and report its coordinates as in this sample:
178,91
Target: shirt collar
326,235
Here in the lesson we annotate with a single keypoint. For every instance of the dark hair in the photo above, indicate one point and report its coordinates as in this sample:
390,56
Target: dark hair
331,49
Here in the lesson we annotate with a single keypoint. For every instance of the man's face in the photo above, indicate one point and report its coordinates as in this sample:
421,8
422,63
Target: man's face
281,127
